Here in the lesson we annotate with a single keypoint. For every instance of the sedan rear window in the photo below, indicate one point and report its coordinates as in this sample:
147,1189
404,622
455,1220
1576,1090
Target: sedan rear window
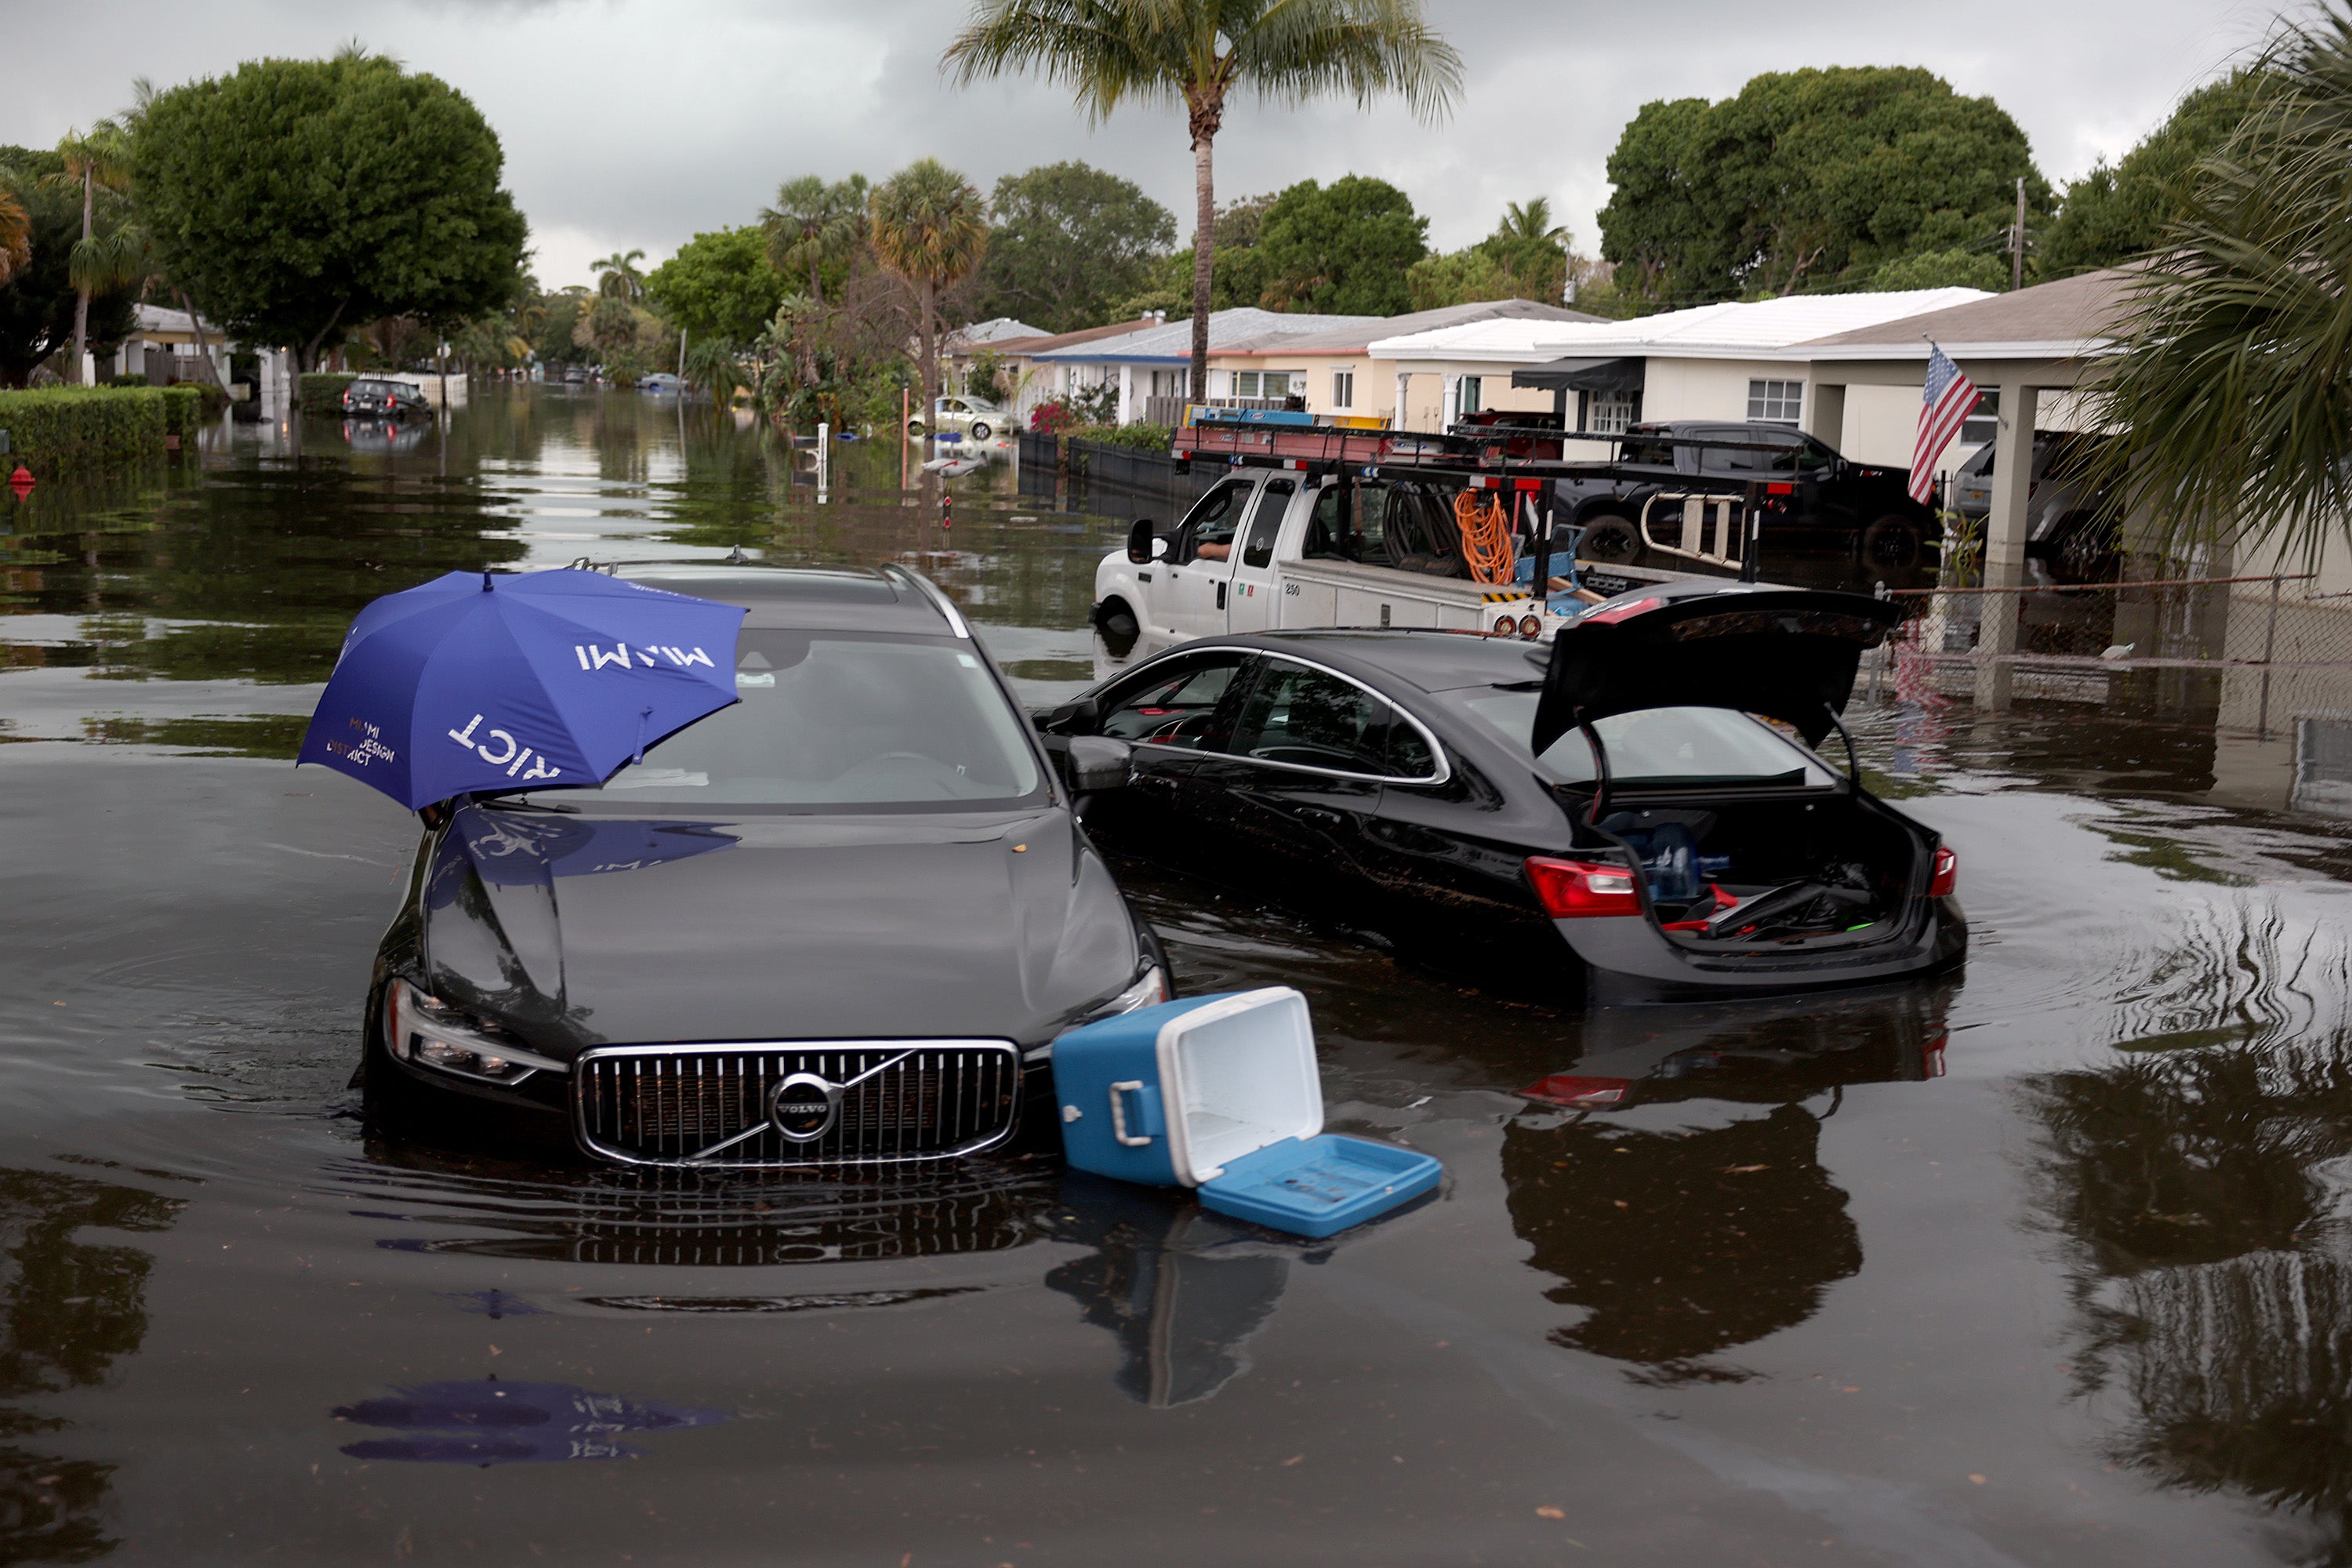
841,720
1686,746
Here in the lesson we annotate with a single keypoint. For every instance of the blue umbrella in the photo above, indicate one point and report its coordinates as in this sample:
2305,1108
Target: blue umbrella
535,681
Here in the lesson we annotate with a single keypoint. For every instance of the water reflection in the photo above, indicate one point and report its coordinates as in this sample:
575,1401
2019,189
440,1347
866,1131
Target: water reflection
69,1309
494,1423
1181,1290
1690,1236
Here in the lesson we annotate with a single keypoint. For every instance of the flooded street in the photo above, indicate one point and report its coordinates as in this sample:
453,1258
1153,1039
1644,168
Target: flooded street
2048,1262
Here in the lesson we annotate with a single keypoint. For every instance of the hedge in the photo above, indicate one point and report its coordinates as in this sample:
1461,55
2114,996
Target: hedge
184,410
321,391
58,429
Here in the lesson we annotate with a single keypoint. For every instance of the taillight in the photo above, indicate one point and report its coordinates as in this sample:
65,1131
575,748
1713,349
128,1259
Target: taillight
1579,1093
1576,889
1948,874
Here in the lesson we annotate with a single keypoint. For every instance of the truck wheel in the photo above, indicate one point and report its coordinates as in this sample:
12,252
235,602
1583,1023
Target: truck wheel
1612,539
1891,542
1117,624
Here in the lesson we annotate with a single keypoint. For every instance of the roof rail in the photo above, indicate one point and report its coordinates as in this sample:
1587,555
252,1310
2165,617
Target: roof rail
932,591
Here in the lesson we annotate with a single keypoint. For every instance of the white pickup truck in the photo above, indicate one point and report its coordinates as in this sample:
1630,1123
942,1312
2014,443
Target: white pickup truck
1269,548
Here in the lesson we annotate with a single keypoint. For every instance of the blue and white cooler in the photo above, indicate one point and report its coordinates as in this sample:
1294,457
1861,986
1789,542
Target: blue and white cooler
1221,1094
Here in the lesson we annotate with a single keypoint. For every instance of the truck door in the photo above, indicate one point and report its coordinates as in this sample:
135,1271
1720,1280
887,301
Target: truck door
1250,604
1199,573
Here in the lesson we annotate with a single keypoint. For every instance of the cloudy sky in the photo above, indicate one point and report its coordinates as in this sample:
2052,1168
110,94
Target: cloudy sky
634,123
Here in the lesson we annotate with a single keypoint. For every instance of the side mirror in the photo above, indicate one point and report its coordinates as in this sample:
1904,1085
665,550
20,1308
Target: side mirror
1098,762
1140,541
1080,716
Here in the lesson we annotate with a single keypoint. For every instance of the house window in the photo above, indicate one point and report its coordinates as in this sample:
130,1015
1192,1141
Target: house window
1244,383
1983,422
1471,390
1776,402
1609,413
1169,382
1343,389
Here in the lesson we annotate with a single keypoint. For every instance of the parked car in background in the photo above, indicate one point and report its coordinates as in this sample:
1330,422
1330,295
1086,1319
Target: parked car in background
2069,519
385,399
839,923
1608,816
965,417
1814,496
661,381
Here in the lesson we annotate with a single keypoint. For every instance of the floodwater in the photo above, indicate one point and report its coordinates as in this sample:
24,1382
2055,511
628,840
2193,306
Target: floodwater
2050,1262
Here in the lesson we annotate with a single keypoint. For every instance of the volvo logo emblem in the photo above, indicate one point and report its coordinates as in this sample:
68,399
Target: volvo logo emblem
804,1107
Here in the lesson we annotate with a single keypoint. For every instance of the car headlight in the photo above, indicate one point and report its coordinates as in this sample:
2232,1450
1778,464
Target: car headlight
1148,992
420,1028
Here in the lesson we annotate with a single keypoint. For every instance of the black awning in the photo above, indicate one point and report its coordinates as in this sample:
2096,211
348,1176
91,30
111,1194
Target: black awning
1584,375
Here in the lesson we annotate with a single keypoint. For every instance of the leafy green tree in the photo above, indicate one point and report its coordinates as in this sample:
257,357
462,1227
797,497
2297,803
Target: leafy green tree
1527,257
930,227
299,198
1341,249
817,228
1809,179
1943,270
719,286
112,251
1241,270
2112,215
1069,243
38,300
553,338
1195,53
16,230
2229,386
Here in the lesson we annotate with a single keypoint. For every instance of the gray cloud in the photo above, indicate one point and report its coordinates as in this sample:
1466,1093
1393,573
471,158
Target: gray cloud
634,123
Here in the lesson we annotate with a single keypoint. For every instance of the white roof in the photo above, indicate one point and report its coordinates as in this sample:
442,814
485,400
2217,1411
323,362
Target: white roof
1172,341
1757,329
155,319
996,330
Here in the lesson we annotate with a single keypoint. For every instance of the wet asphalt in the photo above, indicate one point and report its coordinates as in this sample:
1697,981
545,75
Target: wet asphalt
2047,1262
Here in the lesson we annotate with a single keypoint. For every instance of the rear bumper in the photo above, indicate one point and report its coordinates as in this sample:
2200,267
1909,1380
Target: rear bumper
1632,960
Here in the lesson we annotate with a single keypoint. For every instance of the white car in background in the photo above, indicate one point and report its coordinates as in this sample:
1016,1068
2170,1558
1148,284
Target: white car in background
965,417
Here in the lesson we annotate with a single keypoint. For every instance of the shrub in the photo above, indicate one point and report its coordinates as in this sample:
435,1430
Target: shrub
321,391
1141,436
184,410
60,429
136,378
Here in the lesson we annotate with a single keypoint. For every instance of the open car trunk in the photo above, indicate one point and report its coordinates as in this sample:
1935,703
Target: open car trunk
1776,873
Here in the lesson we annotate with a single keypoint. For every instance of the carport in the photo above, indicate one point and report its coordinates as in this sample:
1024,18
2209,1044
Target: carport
1562,376
2037,341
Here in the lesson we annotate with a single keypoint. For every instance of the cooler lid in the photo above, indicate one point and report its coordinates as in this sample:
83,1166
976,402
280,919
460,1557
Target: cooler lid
1787,653
1236,1075
1321,1185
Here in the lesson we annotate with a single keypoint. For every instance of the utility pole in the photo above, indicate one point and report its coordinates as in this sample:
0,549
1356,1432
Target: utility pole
2017,242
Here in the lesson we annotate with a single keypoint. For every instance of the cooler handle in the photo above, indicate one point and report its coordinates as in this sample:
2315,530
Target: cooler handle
1147,1112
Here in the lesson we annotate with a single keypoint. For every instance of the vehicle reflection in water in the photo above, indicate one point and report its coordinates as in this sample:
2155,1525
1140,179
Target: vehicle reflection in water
1181,1289
384,437
474,1208
1688,1236
2203,1185
69,1311
494,1423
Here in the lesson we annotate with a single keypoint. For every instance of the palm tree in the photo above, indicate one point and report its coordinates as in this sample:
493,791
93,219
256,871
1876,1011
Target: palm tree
1195,52
930,227
617,275
1531,222
16,229
815,225
2230,385
100,163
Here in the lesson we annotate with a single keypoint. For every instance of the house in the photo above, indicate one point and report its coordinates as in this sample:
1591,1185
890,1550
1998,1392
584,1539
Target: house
1155,363
1033,384
1335,370
163,347
1728,362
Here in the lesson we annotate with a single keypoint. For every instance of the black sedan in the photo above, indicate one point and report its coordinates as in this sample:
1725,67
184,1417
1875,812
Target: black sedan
385,399
838,923
1636,809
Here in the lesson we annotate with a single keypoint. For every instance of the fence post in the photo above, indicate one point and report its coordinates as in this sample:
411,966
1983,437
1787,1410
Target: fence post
2270,647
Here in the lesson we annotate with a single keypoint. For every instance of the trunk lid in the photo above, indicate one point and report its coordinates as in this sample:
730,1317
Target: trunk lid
1786,653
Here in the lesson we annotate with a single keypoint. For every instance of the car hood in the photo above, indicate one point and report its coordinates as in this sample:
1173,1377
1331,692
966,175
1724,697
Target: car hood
1787,653
581,931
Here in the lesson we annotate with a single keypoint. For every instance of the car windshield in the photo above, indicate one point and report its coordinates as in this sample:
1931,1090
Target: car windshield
840,720
1656,745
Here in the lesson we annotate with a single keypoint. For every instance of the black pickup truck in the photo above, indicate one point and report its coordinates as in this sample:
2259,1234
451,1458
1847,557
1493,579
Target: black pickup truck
1812,496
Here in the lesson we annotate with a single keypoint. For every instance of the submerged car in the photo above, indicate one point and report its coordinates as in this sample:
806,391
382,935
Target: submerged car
1637,810
385,399
839,923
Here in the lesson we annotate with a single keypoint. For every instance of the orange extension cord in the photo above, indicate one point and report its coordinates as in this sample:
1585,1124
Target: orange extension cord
1486,536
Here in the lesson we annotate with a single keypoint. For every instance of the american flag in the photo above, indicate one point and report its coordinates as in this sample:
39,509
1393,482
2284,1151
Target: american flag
1944,404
